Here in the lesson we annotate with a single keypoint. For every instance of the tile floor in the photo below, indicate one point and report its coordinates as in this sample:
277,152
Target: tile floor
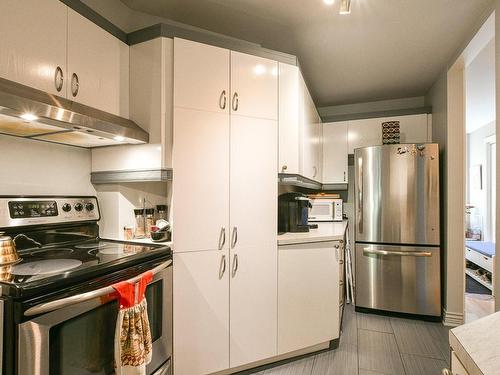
376,345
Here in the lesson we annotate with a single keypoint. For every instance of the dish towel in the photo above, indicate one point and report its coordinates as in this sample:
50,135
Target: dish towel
133,344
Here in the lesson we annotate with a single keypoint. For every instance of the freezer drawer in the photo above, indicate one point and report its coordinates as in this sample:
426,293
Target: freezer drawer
398,278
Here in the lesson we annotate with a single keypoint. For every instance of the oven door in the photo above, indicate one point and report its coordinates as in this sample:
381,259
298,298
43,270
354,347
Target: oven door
79,339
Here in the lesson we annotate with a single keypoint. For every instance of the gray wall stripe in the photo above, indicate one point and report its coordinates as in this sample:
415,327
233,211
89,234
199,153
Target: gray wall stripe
366,115
96,18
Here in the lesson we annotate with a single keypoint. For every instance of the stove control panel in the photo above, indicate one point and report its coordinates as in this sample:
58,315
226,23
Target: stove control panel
22,211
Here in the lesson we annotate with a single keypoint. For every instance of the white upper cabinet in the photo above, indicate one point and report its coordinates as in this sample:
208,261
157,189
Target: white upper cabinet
254,86
289,111
368,132
33,44
311,137
201,76
151,91
98,67
201,183
335,150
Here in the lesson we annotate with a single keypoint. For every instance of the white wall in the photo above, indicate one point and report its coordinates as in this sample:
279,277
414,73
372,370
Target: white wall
477,154
42,168
480,89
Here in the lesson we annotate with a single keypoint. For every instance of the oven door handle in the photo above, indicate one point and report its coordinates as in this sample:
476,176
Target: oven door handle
64,302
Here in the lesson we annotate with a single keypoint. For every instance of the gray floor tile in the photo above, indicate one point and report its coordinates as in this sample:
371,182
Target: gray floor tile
421,338
378,351
300,367
374,323
416,365
369,372
349,334
343,360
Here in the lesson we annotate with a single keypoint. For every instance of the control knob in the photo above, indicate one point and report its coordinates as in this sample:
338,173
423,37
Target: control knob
89,206
66,207
78,207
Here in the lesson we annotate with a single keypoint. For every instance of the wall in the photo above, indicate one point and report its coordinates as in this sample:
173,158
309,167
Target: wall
477,154
480,88
42,168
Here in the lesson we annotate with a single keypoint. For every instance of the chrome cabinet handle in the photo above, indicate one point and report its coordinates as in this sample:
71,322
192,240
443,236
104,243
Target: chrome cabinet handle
222,237
315,171
369,250
446,372
284,168
222,100
58,79
234,237
235,103
344,176
75,85
222,267
235,264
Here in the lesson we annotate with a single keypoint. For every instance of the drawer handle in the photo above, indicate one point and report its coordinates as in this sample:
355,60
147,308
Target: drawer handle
75,85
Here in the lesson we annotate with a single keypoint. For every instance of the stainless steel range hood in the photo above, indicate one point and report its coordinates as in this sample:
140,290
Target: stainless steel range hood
30,113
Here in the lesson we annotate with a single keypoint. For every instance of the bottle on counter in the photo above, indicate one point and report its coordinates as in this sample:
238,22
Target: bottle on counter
140,231
162,212
150,221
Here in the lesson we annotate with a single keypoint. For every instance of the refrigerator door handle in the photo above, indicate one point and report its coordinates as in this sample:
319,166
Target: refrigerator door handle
373,251
360,195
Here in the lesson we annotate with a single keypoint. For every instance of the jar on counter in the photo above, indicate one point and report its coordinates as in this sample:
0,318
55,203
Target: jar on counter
162,212
139,223
150,221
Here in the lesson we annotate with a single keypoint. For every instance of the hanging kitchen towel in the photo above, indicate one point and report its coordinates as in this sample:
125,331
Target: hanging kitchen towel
133,344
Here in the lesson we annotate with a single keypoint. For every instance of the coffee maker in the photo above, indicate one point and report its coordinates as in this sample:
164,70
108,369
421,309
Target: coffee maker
293,212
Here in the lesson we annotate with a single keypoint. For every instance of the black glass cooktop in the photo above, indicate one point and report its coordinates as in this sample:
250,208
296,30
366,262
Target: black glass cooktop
49,265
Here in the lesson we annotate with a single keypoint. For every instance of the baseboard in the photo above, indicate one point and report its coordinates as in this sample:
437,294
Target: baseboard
452,319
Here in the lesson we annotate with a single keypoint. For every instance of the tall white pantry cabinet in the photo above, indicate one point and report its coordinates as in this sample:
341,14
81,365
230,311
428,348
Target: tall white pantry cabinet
224,195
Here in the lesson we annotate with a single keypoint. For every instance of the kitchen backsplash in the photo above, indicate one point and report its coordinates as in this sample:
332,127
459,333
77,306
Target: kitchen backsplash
42,168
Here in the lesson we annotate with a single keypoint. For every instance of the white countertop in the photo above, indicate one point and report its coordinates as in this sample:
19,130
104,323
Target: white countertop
325,232
477,345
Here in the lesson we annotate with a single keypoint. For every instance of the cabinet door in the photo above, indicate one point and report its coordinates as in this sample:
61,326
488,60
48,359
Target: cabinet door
254,86
201,76
413,128
363,133
201,312
308,295
335,153
33,43
309,137
100,63
201,183
318,146
288,119
254,217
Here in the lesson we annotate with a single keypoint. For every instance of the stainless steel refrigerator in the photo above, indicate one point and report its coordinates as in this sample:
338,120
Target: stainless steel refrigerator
397,228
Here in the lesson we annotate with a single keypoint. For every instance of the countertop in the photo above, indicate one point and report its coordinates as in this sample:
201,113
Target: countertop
325,232
477,346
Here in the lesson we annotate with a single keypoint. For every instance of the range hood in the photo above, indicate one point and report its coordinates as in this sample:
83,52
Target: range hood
34,114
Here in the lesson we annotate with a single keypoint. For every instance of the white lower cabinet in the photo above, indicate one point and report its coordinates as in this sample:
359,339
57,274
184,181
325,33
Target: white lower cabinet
308,295
456,366
201,312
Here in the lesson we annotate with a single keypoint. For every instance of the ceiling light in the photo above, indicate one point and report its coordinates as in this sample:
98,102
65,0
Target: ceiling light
345,7
119,138
329,2
29,117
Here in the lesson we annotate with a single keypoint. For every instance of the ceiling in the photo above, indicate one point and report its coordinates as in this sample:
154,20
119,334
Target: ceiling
384,49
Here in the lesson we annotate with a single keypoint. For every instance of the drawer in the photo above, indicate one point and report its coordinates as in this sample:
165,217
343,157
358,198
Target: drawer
479,259
456,366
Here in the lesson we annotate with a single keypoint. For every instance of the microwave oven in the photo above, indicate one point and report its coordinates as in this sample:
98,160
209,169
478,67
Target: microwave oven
326,209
